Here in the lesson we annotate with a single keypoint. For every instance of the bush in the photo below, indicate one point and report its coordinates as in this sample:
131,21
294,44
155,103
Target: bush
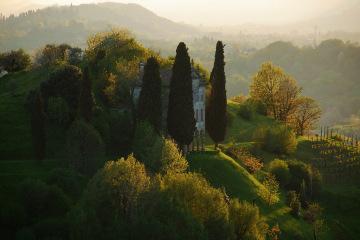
293,201
58,110
85,147
246,111
280,169
246,221
229,118
277,139
15,61
67,180
159,155
63,82
42,201
121,132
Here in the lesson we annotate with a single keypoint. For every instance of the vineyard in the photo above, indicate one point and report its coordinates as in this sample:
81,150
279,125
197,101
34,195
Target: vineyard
337,157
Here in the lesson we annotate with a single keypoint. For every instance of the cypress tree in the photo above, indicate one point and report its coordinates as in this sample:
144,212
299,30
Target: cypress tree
180,118
37,122
86,99
216,107
150,107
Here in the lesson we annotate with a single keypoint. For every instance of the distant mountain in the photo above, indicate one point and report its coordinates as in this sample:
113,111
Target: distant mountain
73,24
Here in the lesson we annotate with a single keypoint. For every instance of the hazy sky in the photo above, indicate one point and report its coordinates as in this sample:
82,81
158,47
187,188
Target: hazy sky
213,12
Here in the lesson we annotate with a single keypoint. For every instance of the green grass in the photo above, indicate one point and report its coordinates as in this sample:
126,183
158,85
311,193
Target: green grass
15,137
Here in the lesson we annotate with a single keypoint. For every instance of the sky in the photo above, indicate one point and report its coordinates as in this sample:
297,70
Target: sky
212,12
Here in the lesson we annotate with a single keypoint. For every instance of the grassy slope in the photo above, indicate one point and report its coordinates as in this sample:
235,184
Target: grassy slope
223,171
341,217
15,136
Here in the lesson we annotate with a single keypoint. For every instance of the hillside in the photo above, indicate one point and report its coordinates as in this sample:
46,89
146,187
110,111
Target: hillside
73,25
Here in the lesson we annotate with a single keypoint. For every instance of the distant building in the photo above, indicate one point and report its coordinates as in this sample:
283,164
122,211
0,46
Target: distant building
199,98
3,72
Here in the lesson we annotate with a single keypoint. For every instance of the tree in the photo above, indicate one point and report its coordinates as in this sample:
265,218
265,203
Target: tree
246,221
37,122
86,99
65,82
216,109
277,90
180,118
306,116
109,205
271,192
158,154
85,147
150,107
15,60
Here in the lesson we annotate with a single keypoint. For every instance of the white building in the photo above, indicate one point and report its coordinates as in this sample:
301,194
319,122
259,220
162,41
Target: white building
199,98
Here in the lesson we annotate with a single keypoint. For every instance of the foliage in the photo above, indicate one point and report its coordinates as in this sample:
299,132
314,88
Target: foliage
67,180
279,168
277,90
52,54
65,82
217,102
279,139
300,172
84,147
246,221
150,103
195,194
42,201
158,154
180,117
241,154
306,116
58,111
271,192
120,131
293,201
86,98
109,206
15,61
246,111
35,107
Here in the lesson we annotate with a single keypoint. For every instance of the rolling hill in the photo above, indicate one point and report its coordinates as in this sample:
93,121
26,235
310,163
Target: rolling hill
74,24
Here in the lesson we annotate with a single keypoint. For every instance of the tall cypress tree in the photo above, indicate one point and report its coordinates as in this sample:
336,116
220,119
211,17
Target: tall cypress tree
216,108
86,98
37,122
180,119
150,107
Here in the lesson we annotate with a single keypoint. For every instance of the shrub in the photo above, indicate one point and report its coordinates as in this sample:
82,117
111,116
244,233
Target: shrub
276,139
15,61
41,200
110,202
246,221
121,132
85,147
279,168
246,111
63,82
58,110
229,118
67,180
158,154
270,192
293,201
251,163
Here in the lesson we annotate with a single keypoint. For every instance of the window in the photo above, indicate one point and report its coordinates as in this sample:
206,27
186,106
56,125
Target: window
202,113
197,115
